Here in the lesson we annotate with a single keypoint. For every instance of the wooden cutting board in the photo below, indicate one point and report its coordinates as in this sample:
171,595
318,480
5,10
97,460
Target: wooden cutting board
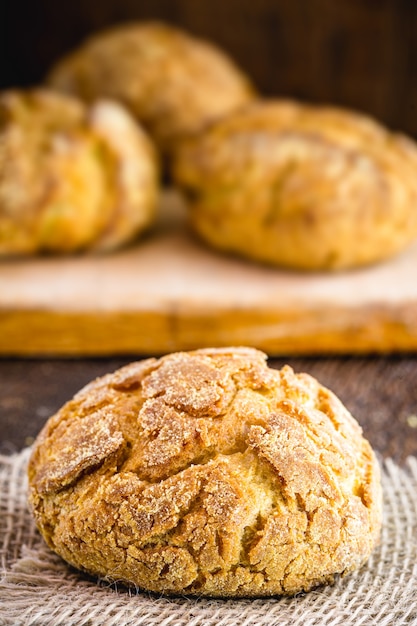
169,292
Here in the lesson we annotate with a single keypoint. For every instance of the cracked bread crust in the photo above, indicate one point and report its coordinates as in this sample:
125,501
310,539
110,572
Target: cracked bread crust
207,473
72,177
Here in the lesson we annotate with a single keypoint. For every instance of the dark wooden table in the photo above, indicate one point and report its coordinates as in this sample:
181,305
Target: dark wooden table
381,392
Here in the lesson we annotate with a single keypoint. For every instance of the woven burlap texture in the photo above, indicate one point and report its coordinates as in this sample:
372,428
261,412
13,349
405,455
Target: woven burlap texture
38,589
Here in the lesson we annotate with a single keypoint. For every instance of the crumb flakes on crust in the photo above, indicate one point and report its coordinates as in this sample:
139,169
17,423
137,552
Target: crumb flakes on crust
207,472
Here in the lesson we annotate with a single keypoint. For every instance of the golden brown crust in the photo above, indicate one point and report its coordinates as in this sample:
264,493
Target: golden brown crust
301,186
175,84
71,177
207,473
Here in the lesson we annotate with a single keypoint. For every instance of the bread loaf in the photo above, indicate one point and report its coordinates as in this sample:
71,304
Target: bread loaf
72,177
175,84
207,473
302,187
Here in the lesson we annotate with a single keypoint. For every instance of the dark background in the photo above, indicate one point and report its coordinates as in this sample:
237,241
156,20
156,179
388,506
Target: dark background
357,53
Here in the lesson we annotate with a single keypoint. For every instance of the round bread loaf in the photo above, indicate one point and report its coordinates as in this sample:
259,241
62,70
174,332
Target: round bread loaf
71,177
303,187
174,83
207,473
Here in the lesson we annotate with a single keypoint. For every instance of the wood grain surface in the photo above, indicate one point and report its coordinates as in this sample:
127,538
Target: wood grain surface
169,292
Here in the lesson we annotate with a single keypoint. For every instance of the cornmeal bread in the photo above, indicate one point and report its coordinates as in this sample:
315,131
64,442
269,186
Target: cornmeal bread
175,84
207,473
72,177
303,187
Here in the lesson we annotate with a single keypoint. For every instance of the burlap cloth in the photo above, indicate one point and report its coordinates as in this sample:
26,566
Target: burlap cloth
37,588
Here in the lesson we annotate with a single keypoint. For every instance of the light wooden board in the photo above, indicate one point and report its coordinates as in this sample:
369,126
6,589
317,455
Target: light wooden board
169,292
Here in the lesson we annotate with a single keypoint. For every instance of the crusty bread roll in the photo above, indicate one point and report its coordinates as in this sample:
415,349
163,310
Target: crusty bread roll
174,83
207,473
303,187
71,177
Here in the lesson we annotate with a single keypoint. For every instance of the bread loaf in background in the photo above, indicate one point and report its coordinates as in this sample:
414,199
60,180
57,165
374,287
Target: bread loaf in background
72,176
301,186
174,83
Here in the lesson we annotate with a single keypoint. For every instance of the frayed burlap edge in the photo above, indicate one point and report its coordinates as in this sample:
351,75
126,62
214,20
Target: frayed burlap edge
38,589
